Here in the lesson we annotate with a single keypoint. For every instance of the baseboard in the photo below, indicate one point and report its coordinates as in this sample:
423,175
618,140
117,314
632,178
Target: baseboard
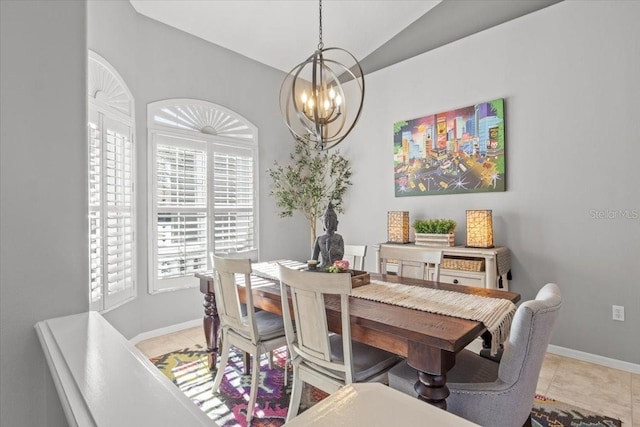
594,358
166,330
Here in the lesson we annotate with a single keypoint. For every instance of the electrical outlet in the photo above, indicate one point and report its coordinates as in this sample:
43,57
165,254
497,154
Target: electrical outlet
618,313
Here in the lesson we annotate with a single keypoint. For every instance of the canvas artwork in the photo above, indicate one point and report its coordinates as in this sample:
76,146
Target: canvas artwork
458,151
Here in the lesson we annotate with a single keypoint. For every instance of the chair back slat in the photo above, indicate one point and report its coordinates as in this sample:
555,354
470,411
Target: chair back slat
311,321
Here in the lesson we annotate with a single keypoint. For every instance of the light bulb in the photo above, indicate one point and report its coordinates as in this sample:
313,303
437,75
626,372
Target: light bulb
332,93
338,100
304,97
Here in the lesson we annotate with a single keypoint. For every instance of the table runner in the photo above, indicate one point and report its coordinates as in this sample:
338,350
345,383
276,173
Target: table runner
503,260
496,314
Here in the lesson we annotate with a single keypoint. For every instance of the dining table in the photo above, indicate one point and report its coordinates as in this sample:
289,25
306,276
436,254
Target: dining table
428,341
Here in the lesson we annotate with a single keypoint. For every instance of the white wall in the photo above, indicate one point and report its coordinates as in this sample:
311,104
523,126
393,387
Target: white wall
159,62
43,181
569,75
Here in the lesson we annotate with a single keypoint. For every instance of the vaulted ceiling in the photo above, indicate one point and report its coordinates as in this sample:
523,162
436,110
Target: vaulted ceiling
283,33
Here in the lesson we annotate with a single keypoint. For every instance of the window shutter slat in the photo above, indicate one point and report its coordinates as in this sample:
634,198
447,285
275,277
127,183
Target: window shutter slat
233,194
110,211
182,243
182,235
181,177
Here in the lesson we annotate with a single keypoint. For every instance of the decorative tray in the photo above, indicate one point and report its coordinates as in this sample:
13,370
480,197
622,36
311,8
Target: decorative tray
358,278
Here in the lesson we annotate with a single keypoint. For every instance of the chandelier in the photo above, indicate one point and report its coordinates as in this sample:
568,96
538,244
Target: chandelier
314,95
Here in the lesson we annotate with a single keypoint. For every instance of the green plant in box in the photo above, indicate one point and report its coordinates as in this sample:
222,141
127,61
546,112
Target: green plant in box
434,226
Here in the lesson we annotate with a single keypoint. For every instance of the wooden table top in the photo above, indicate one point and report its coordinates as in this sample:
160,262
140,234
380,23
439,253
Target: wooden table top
387,326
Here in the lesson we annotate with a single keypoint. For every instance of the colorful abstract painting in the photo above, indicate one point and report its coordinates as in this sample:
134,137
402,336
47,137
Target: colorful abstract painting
458,151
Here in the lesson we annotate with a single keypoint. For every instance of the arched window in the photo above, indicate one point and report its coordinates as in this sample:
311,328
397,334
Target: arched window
202,189
111,178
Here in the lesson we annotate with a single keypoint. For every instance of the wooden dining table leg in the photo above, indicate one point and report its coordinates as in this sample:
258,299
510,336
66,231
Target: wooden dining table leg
211,321
431,365
432,389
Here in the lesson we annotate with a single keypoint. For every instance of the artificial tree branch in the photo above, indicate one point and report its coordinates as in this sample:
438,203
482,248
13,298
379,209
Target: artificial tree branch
310,182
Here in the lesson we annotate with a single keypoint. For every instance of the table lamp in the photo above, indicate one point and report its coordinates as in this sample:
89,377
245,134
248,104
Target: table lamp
398,227
479,229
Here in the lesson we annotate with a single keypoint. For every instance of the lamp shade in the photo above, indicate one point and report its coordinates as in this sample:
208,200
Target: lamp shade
479,229
398,227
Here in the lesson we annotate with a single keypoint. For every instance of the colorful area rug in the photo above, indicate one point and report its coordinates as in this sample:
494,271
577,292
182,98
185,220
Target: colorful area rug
551,413
188,370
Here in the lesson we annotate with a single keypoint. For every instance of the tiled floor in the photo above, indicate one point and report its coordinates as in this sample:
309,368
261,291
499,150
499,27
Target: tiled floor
603,390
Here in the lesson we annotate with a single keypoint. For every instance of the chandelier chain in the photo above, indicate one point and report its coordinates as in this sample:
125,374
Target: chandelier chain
320,44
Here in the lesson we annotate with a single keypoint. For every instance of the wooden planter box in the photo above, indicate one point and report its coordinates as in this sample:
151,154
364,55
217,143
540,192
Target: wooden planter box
435,240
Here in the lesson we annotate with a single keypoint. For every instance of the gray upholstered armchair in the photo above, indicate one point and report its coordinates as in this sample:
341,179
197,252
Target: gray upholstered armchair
492,394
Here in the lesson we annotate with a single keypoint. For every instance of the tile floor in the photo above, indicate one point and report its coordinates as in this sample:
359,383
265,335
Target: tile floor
602,390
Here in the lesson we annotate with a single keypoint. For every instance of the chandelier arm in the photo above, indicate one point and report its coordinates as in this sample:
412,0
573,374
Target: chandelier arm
361,87
314,86
302,117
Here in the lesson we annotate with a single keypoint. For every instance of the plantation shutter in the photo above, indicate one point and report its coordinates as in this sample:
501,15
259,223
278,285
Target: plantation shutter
95,218
181,193
233,199
203,170
111,179
119,221
111,234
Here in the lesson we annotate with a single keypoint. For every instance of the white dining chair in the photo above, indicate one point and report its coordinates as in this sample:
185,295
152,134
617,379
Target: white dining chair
325,360
429,259
355,254
256,333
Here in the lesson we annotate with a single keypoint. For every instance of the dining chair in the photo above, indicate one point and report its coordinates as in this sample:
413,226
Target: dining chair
325,360
424,256
355,255
255,333
499,394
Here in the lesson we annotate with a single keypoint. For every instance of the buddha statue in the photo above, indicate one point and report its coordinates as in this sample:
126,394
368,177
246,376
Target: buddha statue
330,245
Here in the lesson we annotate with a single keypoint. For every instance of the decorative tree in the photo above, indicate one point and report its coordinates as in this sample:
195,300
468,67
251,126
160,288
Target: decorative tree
310,182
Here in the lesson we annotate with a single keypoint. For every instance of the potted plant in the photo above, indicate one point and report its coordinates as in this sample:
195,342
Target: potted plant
434,232
310,182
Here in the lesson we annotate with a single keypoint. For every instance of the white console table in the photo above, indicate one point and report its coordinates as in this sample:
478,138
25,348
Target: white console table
494,272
